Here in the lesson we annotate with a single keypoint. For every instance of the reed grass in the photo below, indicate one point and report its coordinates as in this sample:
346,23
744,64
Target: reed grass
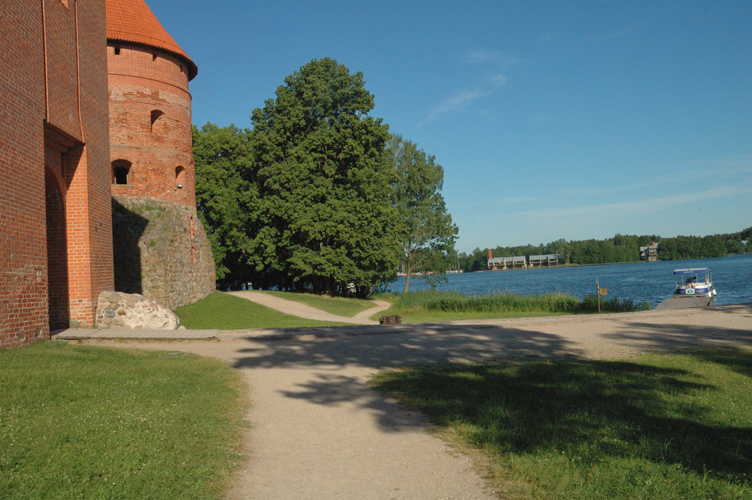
440,301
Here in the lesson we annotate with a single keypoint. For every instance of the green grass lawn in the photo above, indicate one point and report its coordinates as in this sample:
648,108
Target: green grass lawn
659,427
97,423
341,306
227,312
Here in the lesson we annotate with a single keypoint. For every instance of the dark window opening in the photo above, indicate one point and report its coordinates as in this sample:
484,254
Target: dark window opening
120,171
117,51
121,175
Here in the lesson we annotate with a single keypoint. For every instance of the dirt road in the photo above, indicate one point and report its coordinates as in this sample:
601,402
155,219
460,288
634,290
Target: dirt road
305,311
319,432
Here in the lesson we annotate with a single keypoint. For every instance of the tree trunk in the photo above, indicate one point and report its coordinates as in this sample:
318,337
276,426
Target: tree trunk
408,270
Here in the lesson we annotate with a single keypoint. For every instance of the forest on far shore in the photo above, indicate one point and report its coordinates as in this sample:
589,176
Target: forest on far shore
620,248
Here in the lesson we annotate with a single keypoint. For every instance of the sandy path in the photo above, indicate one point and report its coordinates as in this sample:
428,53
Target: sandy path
319,432
305,311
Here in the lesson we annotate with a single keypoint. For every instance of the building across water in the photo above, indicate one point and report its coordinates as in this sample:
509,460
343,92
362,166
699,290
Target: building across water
520,262
504,263
650,252
548,260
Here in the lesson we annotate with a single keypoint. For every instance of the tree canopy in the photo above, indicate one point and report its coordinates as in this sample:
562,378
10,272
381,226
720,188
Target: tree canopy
428,234
226,199
308,195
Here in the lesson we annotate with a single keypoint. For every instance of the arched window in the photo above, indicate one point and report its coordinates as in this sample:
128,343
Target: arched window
180,176
120,171
157,121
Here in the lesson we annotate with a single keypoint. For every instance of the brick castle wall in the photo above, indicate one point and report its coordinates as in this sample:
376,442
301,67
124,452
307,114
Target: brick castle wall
23,257
89,201
54,146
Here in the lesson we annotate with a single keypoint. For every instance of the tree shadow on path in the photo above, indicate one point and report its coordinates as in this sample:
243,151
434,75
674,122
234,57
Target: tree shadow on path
536,394
327,361
426,345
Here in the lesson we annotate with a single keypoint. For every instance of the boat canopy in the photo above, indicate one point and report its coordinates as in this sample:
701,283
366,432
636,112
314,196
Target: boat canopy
693,270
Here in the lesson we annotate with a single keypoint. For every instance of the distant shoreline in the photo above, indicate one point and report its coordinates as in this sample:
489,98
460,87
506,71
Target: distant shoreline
600,264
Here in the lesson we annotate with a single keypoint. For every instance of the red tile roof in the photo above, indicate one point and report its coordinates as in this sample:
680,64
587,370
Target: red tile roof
133,21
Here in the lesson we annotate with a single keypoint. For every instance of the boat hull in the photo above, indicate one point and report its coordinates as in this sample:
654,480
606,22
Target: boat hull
697,291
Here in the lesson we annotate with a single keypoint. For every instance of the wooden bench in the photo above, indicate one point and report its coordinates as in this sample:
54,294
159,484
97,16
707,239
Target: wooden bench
390,320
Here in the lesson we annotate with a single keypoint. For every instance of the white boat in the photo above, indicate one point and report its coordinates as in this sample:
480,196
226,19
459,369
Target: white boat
694,282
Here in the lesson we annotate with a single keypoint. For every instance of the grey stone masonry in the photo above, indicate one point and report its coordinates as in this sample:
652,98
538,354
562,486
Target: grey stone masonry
161,251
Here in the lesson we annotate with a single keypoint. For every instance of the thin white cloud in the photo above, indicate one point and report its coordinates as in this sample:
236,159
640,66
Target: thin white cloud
611,35
548,38
538,118
725,169
604,210
501,201
490,56
480,56
462,98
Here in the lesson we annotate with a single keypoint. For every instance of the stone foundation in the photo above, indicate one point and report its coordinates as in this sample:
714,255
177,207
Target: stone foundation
161,251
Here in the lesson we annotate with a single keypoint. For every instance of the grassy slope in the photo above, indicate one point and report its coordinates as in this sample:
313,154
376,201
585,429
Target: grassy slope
662,426
227,312
89,422
335,305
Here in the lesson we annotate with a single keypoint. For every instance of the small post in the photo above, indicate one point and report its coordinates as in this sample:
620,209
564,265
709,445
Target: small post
598,293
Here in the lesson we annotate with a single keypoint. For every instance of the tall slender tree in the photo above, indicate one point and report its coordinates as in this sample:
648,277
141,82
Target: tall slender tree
428,234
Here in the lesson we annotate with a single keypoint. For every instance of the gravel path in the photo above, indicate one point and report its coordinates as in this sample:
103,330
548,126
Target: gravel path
319,432
305,311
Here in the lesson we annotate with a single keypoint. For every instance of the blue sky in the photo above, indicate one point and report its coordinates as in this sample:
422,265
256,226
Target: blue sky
551,119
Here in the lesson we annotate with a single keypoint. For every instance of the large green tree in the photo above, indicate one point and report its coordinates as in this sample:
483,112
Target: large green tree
428,234
325,219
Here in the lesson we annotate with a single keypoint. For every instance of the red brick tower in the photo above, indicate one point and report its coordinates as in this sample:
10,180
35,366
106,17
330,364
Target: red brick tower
159,245
150,107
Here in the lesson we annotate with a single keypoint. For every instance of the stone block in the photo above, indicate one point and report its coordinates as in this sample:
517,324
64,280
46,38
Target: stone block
134,311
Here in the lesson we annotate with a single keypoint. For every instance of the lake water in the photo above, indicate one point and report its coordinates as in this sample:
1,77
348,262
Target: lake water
640,281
